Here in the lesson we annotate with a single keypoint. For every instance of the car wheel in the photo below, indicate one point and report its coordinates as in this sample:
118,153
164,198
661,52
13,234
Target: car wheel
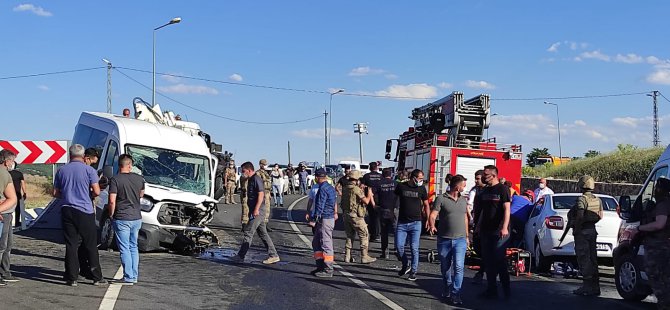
628,279
107,237
540,262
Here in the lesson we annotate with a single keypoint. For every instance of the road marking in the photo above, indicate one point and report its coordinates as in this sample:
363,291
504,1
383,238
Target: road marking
339,268
112,293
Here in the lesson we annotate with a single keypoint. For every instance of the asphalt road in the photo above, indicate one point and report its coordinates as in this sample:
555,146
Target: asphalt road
210,281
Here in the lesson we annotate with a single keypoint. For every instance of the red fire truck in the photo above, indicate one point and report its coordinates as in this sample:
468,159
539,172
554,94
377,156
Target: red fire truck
448,138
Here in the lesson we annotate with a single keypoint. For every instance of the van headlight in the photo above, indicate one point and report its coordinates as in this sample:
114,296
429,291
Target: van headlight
146,204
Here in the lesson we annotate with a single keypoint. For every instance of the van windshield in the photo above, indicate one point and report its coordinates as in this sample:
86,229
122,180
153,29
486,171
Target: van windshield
170,168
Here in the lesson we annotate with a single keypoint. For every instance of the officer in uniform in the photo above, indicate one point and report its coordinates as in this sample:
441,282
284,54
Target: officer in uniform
230,175
353,211
656,232
267,183
243,197
322,217
583,218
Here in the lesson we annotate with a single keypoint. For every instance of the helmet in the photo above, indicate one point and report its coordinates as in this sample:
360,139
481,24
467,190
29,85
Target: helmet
263,162
586,182
354,174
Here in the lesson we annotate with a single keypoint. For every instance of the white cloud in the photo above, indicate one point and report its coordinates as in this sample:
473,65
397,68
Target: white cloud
629,58
391,76
653,60
318,133
659,76
573,46
630,122
236,77
580,122
595,55
422,90
43,87
445,85
479,84
171,78
363,71
37,10
554,47
188,89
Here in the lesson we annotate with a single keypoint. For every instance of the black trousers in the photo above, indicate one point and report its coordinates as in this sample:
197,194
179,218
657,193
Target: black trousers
387,227
79,229
374,222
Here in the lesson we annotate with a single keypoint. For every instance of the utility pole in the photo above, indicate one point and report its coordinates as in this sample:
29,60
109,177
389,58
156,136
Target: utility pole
656,140
109,85
360,129
289,152
325,135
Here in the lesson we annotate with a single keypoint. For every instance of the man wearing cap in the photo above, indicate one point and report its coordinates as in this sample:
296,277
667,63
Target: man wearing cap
322,217
520,209
372,180
267,183
353,211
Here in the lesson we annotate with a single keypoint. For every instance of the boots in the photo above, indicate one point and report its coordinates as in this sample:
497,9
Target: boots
347,256
365,258
589,288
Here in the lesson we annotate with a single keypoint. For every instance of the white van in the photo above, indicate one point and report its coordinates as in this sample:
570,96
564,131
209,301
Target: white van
629,273
178,169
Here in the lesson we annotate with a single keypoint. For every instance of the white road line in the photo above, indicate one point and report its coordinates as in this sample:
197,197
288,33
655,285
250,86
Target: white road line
112,293
345,273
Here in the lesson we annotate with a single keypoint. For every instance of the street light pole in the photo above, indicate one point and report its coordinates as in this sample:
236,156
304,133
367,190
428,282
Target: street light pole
325,134
330,123
558,121
175,20
360,129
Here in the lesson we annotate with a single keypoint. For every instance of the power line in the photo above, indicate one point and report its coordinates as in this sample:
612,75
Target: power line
48,73
666,99
212,114
570,97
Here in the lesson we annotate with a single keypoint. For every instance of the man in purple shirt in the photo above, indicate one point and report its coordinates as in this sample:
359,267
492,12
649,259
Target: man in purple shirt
75,184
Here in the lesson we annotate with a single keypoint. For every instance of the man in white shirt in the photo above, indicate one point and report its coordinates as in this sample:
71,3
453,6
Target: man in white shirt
542,189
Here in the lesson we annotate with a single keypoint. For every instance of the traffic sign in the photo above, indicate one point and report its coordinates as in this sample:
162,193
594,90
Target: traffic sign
37,152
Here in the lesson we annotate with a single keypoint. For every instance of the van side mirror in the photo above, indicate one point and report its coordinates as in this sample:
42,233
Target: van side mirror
108,171
625,208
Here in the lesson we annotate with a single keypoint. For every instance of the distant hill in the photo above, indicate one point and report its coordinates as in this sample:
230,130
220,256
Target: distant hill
626,165
37,169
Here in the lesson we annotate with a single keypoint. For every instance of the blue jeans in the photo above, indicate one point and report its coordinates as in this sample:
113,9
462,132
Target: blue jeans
278,194
303,188
413,231
126,238
452,251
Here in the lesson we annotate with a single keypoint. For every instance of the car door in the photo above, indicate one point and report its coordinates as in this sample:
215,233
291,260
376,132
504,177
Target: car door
533,225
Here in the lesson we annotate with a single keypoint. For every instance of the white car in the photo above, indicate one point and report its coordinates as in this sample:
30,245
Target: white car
547,222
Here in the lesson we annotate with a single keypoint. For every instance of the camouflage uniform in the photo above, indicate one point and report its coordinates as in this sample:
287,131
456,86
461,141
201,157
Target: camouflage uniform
353,211
243,196
231,175
583,217
267,183
657,255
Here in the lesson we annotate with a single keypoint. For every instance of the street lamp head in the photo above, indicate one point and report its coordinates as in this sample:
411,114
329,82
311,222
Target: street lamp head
175,20
106,61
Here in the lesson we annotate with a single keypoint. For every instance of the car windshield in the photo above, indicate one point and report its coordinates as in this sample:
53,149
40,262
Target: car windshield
566,202
173,169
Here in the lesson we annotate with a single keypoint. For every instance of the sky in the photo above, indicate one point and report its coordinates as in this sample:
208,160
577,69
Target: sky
302,50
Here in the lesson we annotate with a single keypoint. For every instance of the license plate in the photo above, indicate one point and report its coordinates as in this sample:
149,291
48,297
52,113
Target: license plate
603,247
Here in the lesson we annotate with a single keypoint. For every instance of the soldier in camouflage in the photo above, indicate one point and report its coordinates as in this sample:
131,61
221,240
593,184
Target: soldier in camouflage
656,230
243,197
229,176
583,217
267,183
353,210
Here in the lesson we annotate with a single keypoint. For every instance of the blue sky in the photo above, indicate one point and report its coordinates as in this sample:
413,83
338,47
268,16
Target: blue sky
520,49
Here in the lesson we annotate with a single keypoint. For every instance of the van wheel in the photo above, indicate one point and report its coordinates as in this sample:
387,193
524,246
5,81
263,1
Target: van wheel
541,263
628,279
107,237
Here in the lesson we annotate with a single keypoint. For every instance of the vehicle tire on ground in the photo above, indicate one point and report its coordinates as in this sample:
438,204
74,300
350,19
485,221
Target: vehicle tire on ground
106,233
541,264
628,279
219,186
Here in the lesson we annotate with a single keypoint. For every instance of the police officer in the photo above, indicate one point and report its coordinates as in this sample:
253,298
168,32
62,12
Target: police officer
583,218
267,183
387,205
229,176
353,211
371,180
656,230
322,217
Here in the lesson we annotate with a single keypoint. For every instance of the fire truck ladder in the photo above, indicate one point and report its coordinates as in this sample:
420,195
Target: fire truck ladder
468,121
